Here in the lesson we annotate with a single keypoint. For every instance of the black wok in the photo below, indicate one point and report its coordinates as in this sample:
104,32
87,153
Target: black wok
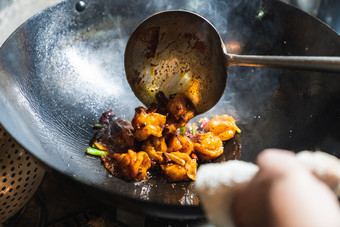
64,67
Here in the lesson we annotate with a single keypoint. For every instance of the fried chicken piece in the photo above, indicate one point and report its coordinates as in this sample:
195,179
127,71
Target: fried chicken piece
146,123
175,172
181,109
223,126
180,143
208,146
171,126
133,165
155,147
159,144
179,167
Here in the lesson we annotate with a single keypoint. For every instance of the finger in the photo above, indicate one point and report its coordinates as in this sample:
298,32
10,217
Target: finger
276,162
324,166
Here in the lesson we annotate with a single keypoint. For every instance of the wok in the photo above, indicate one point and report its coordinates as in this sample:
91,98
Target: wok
63,67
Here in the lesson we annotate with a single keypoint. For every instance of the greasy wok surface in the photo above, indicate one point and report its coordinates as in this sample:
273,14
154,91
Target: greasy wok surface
65,67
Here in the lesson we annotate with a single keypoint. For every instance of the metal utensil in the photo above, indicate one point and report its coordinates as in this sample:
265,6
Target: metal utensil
180,51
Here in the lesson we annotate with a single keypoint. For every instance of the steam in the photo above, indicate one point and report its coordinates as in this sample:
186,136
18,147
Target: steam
212,12
248,95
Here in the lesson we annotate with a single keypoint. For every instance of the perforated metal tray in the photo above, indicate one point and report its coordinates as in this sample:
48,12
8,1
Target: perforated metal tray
20,176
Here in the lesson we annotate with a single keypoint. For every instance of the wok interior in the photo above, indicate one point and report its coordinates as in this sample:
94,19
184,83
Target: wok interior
63,68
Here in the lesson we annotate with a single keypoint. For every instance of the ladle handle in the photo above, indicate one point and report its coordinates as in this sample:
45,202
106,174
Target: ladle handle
315,63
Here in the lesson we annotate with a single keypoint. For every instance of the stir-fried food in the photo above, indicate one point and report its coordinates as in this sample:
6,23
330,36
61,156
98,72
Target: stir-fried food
117,134
208,146
159,138
180,143
133,165
146,122
155,147
181,109
223,126
179,166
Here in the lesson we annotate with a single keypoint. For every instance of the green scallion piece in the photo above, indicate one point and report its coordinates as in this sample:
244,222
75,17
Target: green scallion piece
94,151
97,125
237,129
182,130
193,129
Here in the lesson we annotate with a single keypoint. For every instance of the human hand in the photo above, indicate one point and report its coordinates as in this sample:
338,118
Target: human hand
284,193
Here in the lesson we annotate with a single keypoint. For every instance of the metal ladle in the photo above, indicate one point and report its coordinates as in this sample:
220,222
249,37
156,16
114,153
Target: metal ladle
180,51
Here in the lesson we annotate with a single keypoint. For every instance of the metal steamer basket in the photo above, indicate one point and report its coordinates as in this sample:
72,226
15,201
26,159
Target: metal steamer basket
20,176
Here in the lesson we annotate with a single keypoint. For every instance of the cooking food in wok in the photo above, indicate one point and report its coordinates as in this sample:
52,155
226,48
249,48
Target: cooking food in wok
156,140
63,68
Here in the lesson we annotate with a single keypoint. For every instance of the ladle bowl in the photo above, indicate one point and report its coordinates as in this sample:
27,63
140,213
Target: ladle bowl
176,51
180,51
